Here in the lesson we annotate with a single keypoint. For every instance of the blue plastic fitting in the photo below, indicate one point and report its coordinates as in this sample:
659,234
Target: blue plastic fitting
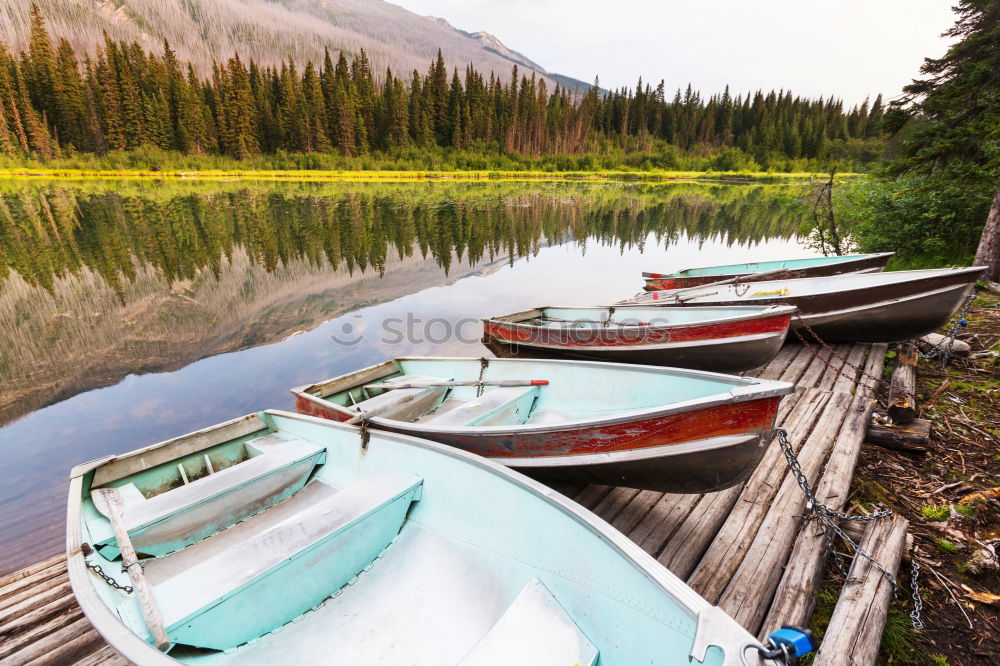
799,640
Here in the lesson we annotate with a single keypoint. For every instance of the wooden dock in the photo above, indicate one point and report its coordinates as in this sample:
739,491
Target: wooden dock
746,549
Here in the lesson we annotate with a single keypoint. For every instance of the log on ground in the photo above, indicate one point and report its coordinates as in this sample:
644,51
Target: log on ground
855,631
912,437
903,387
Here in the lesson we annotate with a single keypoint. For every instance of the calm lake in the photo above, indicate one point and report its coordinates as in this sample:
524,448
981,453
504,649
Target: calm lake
135,311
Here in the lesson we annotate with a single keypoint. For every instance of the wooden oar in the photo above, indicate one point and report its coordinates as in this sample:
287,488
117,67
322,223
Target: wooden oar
109,502
675,293
488,382
367,414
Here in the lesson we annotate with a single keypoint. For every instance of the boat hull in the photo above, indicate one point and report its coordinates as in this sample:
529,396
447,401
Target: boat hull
890,312
705,465
691,451
870,264
721,347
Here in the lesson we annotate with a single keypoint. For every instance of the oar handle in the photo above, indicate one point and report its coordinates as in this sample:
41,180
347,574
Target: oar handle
675,294
445,384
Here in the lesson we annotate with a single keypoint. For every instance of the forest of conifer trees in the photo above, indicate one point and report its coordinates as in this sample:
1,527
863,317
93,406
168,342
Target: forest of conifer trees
55,104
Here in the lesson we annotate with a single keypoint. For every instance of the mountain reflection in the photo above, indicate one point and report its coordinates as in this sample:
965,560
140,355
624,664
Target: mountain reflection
102,279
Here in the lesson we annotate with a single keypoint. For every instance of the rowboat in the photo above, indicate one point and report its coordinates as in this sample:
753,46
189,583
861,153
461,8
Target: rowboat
639,426
874,307
280,538
724,339
785,269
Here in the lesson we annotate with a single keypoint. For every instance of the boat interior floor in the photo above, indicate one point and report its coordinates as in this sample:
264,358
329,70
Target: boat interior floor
355,564
429,599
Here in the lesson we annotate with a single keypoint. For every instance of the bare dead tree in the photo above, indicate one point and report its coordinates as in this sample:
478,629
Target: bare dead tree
824,218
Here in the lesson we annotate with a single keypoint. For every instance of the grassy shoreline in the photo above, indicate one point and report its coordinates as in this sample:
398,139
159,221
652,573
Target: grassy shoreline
407,176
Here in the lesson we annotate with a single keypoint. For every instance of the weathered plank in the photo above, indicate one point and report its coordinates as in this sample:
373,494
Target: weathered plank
847,378
797,366
726,552
779,363
820,364
614,502
694,534
855,630
637,509
836,367
13,578
661,521
591,494
868,383
793,599
747,595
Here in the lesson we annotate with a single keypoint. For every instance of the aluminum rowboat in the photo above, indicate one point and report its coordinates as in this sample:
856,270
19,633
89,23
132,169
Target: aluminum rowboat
629,425
725,339
775,270
297,543
875,307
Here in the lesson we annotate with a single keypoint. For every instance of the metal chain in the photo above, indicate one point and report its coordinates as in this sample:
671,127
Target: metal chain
365,435
483,364
828,517
826,361
944,353
918,603
96,568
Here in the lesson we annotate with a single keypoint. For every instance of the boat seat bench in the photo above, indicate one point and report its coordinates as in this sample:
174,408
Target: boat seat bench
504,405
228,596
275,469
534,631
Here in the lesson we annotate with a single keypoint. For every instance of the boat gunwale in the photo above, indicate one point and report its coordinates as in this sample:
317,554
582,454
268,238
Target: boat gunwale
749,389
763,311
690,301
848,259
128,644
611,349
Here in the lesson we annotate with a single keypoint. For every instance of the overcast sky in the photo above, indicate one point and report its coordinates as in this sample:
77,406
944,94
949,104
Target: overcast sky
848,48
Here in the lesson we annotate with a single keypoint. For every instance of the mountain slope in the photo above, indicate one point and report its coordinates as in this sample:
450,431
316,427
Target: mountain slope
269,31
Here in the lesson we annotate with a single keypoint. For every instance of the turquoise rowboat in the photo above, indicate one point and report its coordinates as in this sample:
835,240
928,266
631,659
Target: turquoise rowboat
640,426
784,269
280,538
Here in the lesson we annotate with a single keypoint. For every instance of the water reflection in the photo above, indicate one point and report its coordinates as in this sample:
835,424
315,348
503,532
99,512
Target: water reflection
126,285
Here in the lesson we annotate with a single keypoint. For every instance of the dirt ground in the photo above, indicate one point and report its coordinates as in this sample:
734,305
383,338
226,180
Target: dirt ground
951,496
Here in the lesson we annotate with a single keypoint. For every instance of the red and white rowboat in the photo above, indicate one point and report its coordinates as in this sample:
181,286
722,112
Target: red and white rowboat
638,426
722,339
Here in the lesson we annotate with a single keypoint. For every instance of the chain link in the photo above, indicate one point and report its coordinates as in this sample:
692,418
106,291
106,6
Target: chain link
828,517
918,603
96,568
365,435
826,361
944,353
483,364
